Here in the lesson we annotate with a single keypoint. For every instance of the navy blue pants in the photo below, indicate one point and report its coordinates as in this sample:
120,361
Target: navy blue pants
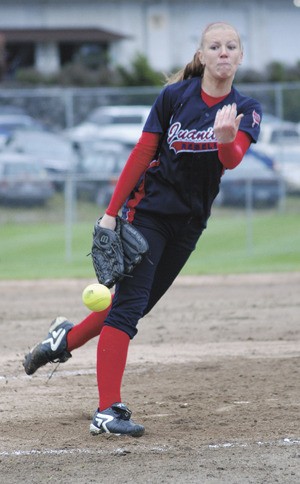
171,240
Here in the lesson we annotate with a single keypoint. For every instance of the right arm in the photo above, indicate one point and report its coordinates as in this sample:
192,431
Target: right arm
138,161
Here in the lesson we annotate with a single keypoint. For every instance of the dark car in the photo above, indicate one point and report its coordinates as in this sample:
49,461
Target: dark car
98,170
253,181
23,181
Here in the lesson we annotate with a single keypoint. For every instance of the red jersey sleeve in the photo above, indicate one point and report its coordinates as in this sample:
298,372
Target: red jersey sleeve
138,161
231,154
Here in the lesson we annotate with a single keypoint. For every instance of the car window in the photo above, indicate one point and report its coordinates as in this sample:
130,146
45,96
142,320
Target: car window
279,134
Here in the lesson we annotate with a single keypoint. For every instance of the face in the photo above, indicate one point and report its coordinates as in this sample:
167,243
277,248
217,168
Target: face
220,52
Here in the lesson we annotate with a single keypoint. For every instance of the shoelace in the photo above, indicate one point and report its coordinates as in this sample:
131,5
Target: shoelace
52,372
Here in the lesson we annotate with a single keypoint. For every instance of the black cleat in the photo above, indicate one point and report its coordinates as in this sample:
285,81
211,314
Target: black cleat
53,349
115,420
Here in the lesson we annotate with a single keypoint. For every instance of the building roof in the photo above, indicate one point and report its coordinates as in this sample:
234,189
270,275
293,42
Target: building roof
60,35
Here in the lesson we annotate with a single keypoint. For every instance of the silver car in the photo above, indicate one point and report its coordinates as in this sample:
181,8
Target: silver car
23,181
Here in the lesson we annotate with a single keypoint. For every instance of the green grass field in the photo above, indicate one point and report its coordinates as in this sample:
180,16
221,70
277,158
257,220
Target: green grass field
34,244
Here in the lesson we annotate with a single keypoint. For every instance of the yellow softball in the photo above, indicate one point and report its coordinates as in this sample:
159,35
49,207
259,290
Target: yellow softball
96,297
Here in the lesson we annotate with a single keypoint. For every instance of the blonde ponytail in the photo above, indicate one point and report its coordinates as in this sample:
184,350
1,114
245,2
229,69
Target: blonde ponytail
192,69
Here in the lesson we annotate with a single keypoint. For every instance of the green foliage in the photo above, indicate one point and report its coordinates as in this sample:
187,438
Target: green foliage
276,72
88,72
273,72
30,76
78,74
81,74
140,74
73,74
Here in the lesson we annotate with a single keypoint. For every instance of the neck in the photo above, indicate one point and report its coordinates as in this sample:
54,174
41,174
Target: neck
216,87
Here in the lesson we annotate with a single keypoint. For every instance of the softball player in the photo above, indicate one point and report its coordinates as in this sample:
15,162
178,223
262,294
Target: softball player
199,126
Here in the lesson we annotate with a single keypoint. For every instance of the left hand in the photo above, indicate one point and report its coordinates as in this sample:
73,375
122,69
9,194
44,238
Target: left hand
227,123
108,222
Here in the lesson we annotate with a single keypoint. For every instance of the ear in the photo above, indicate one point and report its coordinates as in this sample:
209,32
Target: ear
200,57
241,57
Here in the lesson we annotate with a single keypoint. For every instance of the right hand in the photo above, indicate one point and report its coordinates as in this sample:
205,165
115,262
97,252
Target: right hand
227,123
108,222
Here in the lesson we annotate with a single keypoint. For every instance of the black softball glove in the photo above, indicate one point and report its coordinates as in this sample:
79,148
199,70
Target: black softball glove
115,253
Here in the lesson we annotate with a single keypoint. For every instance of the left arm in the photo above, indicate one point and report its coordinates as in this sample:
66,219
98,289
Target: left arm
231,154
232,143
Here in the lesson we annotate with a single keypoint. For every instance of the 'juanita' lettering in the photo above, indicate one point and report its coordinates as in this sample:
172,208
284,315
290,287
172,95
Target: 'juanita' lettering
181,140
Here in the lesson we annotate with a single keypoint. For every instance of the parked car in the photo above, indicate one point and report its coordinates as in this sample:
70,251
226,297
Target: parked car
23,181
286,161
109,120
276,132
250,178
10,122
55,153
98,170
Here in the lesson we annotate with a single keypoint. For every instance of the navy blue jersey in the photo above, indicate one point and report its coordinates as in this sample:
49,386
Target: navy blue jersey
185,176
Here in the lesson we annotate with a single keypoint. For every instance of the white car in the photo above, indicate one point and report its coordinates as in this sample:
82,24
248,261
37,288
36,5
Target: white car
98,170
23,181
252,180
10,122
56,154
276,132
286,161
108,121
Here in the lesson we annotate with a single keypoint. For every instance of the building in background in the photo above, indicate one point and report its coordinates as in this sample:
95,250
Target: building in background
47,34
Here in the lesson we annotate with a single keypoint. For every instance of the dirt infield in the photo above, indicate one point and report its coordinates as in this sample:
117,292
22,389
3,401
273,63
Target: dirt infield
213,374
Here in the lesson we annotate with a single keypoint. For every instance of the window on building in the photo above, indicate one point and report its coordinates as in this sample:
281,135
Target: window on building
18,55
92,55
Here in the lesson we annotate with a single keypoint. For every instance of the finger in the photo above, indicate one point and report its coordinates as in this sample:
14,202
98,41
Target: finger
238,120
228,112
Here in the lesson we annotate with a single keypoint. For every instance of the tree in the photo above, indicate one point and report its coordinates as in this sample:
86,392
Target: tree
140,74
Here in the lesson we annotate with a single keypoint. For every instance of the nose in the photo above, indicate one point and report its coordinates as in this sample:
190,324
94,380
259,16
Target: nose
223,51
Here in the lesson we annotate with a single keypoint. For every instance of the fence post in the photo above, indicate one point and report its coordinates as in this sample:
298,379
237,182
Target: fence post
69,216
249,215
68,96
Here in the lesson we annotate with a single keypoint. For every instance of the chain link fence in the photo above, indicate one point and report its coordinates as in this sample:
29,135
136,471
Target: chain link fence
63,108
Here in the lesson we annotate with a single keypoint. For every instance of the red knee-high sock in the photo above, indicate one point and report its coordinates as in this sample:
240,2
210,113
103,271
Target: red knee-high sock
111,361
88,328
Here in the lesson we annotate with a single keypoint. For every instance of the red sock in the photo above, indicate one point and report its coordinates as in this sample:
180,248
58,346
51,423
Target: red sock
88,328
111,361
